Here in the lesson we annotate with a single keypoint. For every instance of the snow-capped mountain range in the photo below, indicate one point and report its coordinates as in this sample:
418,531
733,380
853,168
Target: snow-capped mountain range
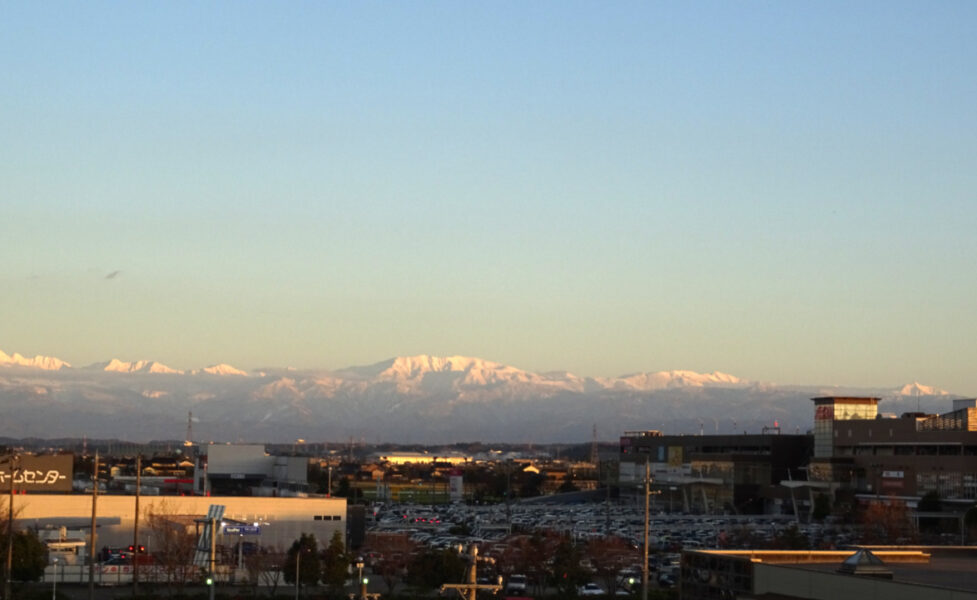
46,363
411,399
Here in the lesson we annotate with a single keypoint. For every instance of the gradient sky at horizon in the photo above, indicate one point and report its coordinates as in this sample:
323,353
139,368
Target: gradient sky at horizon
782,191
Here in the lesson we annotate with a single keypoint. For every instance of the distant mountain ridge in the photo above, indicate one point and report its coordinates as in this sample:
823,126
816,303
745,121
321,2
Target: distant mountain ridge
412,399
140,366
47,363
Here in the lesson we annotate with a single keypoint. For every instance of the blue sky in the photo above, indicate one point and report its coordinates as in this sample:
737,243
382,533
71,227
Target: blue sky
782,191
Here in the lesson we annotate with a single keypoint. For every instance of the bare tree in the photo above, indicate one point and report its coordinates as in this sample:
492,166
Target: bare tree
173,544
264,568
608,556
886,521
393,553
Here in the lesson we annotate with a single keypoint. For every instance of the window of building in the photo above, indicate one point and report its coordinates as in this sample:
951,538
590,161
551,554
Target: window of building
968,487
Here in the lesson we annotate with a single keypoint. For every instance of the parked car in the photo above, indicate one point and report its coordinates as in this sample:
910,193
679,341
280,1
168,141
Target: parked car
590,589
516,583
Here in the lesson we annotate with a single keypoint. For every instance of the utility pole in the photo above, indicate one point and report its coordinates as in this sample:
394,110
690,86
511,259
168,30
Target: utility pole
213,553
135,530
9,570
644,566
594,453
91,541
469,589
508,495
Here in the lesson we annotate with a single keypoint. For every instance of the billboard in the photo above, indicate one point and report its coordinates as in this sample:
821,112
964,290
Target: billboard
456,486
675,456
824,412
45,473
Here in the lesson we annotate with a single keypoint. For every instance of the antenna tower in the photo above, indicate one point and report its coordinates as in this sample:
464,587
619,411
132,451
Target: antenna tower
594,456
189,440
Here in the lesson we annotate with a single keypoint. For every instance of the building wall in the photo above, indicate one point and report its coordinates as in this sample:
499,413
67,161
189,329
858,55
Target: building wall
282,520
901,457
828,410
740,467
238,458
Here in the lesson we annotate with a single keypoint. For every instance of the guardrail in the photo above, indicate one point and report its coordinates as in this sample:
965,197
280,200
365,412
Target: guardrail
109,575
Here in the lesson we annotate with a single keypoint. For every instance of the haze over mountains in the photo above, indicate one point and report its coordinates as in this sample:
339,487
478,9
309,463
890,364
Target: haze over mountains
413,399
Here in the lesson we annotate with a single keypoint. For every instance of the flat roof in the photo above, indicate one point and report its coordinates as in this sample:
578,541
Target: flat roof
846,399
950,567
955,572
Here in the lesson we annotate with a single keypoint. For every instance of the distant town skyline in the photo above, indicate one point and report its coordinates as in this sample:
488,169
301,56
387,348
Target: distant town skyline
785,193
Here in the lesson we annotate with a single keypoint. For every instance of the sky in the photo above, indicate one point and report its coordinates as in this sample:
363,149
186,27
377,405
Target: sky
784,191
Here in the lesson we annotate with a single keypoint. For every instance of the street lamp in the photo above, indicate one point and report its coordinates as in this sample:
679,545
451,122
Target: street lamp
54,584
298,561
359,566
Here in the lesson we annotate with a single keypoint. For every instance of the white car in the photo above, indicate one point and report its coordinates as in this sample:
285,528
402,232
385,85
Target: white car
517,583
590,589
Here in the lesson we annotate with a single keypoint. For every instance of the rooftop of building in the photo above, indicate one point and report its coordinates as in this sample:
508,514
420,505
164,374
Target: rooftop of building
846,400
950,567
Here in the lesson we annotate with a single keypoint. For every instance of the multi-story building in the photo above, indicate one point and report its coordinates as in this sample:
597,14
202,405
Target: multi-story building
904,457
710,473
854,447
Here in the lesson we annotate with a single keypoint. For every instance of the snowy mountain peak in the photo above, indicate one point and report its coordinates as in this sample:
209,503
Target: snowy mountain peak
918,389
140,366
427,373
414,367
673,379
46,363
220,369
408,367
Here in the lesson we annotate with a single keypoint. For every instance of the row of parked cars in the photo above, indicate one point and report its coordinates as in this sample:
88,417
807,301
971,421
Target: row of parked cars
433,524
448,526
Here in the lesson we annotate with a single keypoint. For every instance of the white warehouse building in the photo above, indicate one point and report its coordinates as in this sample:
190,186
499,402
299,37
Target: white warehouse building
279,521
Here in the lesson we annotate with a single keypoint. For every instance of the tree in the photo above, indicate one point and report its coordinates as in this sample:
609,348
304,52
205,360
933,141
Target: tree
567,572
30,556
885,521
822,507
432,568
264,569
173,544
394,551
930,502
335,563
304,553
568,486
346,490
609,555
791,538
318,478
532,485
970,521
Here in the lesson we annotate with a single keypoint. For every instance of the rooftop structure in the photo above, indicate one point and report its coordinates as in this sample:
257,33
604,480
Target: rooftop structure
931,573
247,470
